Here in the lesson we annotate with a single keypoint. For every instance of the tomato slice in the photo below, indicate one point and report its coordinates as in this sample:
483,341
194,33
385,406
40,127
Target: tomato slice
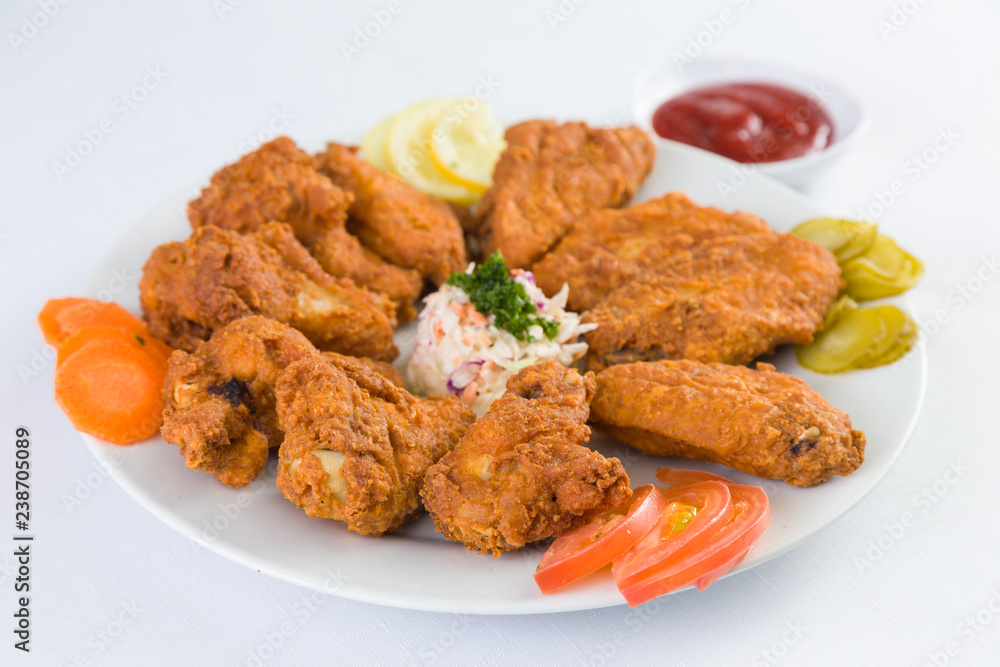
694,514
590,547
674,477
723,547
714,576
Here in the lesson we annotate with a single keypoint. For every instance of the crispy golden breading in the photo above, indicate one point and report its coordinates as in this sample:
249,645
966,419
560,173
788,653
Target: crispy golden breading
220,398
386,370
277,182
356,445
729,300
521,473
551,174
762,422
608,248
393,218
190,288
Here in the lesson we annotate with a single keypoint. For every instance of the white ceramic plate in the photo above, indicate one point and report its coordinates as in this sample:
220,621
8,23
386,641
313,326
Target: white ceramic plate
665,79
417,569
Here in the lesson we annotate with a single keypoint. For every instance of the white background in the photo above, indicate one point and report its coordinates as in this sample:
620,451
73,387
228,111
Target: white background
859,592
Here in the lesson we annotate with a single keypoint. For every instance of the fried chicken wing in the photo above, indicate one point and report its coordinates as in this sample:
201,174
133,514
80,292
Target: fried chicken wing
220,406
728,300
190,288
521,473
277,182
356,445
551,174
608,248
394,219
762,422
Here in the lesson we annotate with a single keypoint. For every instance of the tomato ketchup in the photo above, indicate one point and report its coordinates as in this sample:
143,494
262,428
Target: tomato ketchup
746,122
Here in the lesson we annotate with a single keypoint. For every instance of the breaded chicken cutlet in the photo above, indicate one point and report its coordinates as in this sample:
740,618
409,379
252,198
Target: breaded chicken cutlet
400,223
220,406
357,446
190,288
521,473
761,422
549,175
608,248
727,300
277,182
668,279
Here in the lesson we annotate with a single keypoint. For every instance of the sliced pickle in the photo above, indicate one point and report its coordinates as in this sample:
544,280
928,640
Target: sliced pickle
837,348
902,337
844,304
884,258
846,239
867,280
894,320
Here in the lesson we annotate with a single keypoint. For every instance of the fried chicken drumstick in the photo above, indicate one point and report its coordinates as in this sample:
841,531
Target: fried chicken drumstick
762,422
551,174
521,473
277,182
190,288
393,218
356,445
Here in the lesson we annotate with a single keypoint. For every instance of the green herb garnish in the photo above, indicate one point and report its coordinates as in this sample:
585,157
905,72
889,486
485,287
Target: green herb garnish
492,290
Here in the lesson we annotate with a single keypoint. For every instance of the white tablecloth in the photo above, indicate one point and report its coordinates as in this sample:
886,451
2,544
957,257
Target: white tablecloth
166,92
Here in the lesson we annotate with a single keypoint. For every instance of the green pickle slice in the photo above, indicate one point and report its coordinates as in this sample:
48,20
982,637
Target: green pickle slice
859,338
843,304
836,349
884,270
865,283
846,239
902,337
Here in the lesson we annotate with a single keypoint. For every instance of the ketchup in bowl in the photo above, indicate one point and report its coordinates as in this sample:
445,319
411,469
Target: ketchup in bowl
746,122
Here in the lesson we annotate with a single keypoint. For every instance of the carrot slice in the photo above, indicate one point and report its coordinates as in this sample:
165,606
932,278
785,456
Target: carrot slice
59,318
47,318
84,335
112,389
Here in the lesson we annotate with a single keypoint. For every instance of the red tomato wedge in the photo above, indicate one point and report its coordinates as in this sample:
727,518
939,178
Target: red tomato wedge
725,547
590,547
693,517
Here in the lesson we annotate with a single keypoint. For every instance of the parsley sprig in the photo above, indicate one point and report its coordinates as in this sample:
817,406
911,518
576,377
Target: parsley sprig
492,290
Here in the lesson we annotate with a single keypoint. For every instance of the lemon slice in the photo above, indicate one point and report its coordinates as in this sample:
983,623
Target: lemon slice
373,147
466,143
408,148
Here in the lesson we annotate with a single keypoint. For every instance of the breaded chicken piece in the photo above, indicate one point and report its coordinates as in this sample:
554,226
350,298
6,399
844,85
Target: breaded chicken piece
762,422
393,218
727,300
521,473
277,182
220,406
220,398
346,363
190,288
357,446
608,248
551,174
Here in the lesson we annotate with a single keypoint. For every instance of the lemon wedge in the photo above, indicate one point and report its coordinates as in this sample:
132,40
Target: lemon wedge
467,142
408,148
